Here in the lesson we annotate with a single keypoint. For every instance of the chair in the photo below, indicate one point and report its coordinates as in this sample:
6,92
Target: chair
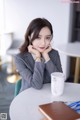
6,36
17,87
11,68
14,49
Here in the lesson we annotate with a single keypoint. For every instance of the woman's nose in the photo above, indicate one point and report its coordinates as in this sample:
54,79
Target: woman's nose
43,42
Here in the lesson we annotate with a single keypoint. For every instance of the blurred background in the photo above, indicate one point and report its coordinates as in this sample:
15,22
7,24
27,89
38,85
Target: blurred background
15,15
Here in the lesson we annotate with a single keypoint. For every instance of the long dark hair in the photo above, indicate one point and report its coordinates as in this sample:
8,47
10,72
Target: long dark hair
34,27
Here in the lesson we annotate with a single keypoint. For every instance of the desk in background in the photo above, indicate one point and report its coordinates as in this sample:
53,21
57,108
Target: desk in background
72,50
25,105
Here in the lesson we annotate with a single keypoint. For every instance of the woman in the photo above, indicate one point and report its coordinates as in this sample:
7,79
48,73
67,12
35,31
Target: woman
37,60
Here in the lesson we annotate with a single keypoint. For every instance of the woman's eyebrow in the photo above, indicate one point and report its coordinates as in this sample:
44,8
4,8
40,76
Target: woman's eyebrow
45,35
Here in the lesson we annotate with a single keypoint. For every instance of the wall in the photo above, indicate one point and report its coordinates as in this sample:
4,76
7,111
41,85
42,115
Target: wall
20,12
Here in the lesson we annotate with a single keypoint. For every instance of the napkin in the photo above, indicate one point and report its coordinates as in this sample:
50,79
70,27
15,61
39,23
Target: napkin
74,105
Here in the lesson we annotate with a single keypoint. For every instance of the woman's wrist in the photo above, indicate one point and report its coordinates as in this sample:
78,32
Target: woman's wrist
46,57
38,59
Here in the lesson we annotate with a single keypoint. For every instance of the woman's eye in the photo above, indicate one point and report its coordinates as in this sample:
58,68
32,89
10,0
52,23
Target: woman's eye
38,38
47,38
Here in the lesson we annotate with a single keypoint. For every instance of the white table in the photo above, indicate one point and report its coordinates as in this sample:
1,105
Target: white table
73,50
25,105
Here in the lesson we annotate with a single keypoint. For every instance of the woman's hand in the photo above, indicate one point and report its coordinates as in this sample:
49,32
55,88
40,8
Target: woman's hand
34,51
45,53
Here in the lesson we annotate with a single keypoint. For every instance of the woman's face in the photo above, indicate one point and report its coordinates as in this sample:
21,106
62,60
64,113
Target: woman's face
43,40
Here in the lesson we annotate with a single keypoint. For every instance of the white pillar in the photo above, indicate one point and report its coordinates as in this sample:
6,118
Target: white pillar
5,42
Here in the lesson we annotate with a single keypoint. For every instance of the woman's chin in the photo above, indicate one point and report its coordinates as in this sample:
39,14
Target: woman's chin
41,51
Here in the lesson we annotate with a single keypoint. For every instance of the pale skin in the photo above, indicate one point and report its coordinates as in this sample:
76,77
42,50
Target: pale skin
41,45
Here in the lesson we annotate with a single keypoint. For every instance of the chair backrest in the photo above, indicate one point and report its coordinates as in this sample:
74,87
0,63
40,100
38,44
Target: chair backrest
15,44
14,48
17,87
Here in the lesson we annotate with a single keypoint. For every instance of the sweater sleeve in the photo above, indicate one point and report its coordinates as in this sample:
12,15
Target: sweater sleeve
33,79
54,64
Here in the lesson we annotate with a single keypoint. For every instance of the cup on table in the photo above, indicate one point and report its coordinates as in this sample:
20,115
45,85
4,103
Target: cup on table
57,83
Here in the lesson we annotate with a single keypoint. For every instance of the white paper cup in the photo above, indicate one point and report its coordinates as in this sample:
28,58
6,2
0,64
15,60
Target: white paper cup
57,83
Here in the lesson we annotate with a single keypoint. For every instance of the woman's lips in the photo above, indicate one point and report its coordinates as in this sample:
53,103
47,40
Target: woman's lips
42,47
